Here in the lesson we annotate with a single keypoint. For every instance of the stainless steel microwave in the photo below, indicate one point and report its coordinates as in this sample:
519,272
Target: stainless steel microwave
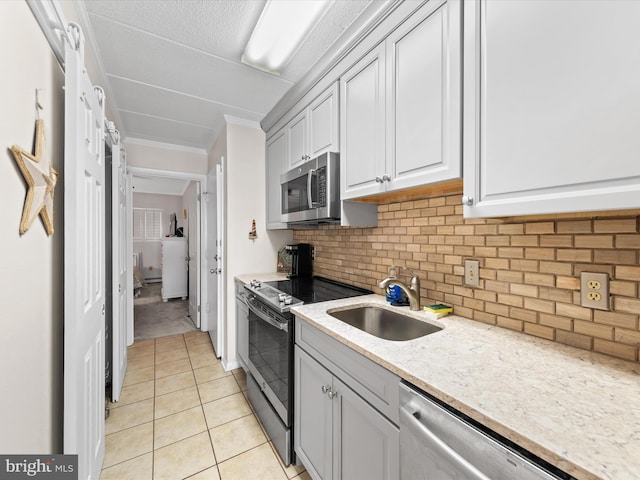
311,191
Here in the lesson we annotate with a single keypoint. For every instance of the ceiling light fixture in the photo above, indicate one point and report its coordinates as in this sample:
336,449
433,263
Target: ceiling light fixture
281,29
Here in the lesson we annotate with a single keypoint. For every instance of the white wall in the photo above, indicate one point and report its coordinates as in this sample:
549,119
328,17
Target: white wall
245,185
151,250
31,268
160,156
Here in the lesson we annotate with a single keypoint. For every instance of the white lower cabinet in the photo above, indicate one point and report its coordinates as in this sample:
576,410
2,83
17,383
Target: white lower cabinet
338,434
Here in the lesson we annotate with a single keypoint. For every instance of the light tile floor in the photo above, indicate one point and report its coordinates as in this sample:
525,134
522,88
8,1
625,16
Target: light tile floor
182,416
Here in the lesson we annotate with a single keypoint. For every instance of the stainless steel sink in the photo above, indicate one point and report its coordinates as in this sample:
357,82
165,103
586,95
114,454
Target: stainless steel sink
384,323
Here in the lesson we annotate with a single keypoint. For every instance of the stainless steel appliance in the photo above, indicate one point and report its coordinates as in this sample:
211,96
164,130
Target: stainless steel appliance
270,348
439,443
242,325
311,191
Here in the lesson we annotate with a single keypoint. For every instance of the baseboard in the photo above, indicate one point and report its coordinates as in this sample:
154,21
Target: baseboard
228,366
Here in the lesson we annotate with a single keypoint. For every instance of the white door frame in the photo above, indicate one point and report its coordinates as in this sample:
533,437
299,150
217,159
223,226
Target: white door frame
221,196
202,266
194,241
119,265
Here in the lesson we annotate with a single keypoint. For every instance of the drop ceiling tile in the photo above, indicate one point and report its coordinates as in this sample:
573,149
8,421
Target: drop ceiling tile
130,53
146,99
166,131
220,27
339,16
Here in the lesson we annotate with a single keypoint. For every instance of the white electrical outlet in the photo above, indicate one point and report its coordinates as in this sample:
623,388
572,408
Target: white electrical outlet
472,273
594,290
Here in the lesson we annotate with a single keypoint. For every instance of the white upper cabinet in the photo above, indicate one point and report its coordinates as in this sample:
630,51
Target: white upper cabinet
323,123
400,112
552,107
424,101
362,119
298,145
314,130
276,165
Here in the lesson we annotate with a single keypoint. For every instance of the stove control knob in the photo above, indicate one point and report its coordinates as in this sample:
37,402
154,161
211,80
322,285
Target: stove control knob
282,297
287,300
255,283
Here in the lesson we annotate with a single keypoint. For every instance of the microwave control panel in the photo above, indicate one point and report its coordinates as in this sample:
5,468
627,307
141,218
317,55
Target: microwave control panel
322,186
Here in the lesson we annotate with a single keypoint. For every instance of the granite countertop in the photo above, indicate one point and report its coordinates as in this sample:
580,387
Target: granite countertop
578,410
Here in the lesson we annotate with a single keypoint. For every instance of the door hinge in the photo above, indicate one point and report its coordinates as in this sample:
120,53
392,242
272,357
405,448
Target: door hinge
198,308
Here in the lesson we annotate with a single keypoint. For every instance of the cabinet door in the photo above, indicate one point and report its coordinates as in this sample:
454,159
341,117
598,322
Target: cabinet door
366,445
297,133
362,126
313,413
323,123
551,107
424,97
276,165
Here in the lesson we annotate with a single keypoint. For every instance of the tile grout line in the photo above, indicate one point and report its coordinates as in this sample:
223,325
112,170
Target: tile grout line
213,450
201,403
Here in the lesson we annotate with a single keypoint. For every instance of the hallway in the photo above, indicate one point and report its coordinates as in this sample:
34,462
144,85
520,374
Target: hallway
182,416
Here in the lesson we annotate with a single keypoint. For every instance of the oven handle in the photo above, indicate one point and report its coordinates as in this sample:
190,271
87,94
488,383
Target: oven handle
262,316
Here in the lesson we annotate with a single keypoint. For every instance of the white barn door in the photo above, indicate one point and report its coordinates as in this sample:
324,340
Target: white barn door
119,267
84,264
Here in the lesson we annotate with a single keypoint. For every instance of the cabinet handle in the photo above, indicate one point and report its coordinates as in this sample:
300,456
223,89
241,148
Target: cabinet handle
467,200
326,388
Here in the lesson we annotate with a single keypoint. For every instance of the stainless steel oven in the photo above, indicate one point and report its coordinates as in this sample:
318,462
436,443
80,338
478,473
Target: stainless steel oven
270,349
270,362
311,191
270,353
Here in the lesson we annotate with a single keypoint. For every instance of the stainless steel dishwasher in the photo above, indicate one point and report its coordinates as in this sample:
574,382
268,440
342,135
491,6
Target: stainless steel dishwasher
439,444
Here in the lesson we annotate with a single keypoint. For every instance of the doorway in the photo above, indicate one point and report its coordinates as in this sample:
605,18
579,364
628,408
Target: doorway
166,253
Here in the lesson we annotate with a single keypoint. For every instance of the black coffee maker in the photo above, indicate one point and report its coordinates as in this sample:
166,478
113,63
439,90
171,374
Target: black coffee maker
301,257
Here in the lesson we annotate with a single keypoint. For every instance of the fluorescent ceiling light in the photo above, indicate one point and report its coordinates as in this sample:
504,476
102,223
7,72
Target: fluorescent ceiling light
282,27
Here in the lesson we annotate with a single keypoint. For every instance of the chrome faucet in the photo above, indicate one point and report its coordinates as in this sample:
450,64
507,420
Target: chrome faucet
412,292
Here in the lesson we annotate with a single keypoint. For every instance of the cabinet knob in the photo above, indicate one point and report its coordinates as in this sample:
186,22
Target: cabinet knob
467,200
332,394
326,388
386,178
379,180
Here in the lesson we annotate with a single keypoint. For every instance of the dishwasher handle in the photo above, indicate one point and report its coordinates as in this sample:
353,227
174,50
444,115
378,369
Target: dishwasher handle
410,420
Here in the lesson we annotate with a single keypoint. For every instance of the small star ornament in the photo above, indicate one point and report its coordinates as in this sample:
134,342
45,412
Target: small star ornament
41,179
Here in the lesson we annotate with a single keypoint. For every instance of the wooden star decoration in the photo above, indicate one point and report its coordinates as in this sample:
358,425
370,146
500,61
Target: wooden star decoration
41,179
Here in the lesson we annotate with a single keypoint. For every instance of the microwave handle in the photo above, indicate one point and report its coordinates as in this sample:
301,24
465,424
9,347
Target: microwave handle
309,180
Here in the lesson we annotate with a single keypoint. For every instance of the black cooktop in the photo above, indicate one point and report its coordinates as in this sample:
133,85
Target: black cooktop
317,289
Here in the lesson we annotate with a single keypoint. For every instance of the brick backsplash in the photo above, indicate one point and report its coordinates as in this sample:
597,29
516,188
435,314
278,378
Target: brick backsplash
529,270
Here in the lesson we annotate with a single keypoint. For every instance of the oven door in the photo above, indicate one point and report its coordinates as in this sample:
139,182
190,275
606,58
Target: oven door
270,347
